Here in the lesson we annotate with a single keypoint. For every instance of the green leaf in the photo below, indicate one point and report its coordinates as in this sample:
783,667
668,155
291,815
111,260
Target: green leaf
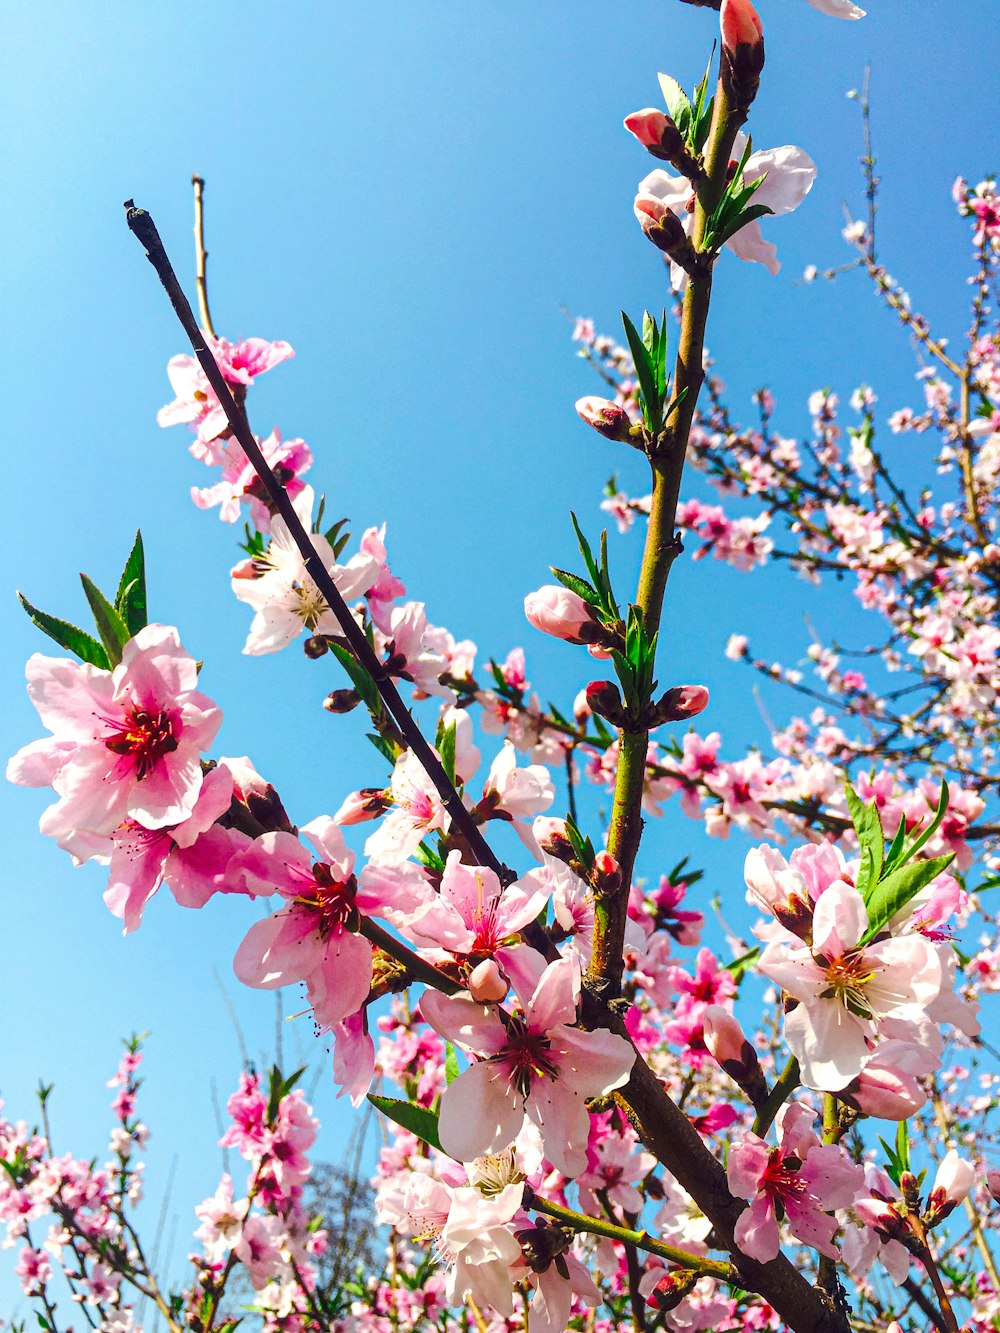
361,679
450,1063
646,375
933,826
130,599
894,856
745,217
384,746
892,894
675,99
110,626
586,552
444,743
68,636
338,535
417,1119
903,1144
580,586
868,827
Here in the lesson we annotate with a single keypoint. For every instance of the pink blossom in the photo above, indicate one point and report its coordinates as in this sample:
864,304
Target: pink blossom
538,1065
126,744
802,1179
196,404
846,990
313,938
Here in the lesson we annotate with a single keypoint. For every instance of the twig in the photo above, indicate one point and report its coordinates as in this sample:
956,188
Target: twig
201,254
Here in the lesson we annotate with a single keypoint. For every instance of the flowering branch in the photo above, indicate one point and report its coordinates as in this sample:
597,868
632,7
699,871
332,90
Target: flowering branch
143,228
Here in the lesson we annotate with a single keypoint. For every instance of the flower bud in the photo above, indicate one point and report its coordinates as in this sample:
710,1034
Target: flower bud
682,702
726,1043
256,806
660,136
955,1178
368,803
315,646
669,1289
557,611
665,229
742,51
487,984
341,701
604,698
550,834
607,417
887,1094
993,1185
883,1216
656,132
605,874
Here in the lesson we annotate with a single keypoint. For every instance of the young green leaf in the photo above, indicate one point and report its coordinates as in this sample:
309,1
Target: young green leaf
130,599
646,375
76,641
110,626
893,892
360,679
676,101
586,552
417,1119
868,827
445,744
575,584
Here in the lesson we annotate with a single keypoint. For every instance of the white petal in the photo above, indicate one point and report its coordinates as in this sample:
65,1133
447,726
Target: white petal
790,175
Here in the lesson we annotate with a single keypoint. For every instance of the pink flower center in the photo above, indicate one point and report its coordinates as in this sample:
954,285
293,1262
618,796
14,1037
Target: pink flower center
332,900
782,1182
526,1056
144,737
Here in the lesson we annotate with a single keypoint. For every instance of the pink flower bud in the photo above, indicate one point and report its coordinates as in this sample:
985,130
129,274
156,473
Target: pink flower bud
550,834
660,223
993,1184
581,708
678,704
955,1178
883,1216
486,982
886,1094
741,25
724,1038
726,1043
556,610
606,874
606,417
742,51
368,803
656,132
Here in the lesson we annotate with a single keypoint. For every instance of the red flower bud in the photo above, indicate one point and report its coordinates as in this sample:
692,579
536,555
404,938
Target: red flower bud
606,874
742,51
682,702
604,697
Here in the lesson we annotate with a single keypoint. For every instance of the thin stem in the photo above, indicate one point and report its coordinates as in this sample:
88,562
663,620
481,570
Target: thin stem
416,966
785,1085
661,546
971,1212
640,1240
144,229
201,254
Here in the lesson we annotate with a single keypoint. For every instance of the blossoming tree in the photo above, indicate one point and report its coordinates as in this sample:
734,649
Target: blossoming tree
585,1133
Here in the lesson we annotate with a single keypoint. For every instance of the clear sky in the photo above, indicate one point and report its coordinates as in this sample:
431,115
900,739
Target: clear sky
407,193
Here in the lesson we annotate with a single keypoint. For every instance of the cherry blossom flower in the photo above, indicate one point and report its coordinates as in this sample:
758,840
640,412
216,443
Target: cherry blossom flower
196,404
536,1065
846,990
281,592
313,938
802,1180
126,744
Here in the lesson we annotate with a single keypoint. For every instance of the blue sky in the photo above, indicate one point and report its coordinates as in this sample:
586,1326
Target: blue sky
408,194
